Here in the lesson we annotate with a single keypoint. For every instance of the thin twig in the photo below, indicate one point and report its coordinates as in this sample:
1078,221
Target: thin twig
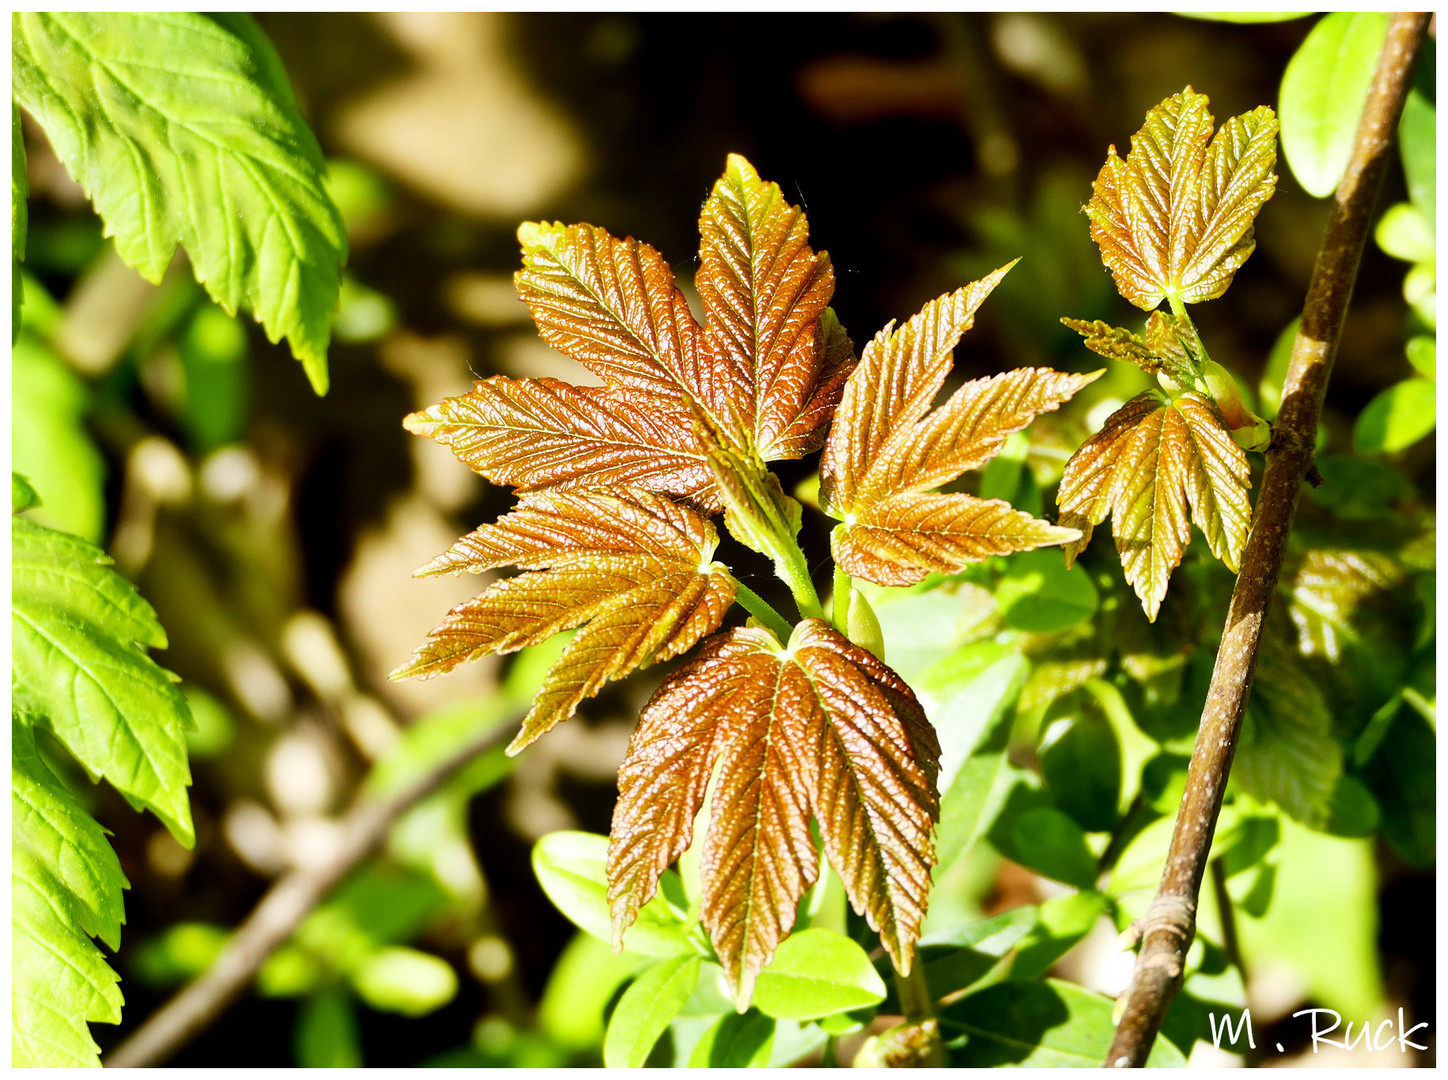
281,911
1170,922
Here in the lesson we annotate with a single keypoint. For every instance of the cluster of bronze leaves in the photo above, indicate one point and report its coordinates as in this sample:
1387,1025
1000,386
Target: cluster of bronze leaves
1174,221
612,530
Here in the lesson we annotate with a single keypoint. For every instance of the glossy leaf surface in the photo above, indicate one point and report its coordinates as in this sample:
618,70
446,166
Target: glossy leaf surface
887,450
1152,460
1174,217
207,150
820,729
631,569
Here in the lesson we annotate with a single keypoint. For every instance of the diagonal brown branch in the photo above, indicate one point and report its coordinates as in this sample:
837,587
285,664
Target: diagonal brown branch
282,910
1170,923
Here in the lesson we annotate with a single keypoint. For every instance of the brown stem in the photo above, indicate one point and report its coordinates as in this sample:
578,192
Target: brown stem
1170,922
281,911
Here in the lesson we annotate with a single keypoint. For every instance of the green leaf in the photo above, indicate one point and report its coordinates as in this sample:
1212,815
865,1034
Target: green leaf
1323,91
401,980
817,973
327,1035
958,958
380,905
646,1009
1275,373
570,867
76,667
19,217
1353,810
1396,418
22,494
1287,754
182,130
974,724
1061,923
49,442
1037,593
1418,138
65,887
1243,16
1032,832
736,1041
1402,775
1404,233
581,986
1423,355
1081,761
177,954
1047,1024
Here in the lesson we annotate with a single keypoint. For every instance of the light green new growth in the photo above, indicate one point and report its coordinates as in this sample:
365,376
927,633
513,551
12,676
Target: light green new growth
65,884
78,668
206,149
19,217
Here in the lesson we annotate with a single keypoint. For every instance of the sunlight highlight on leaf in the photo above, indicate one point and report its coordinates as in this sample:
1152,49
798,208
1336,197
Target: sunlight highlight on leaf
887,450
1174,218
632,569
820,728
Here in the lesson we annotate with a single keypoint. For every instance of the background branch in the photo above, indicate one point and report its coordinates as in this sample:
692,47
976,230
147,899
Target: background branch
282,910
1170,922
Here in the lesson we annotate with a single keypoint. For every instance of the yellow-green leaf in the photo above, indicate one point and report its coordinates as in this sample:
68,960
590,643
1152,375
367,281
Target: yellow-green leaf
1152,460
1174,218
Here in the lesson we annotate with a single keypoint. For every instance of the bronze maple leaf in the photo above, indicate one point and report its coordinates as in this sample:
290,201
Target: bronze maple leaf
633,566
766,368
818,728
887,450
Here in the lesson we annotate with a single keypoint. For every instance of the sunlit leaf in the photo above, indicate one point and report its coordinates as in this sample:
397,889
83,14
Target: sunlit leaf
207,150
765,292
1323,91
819,728
79,667
1397,418
1150,461
817,973
65,886
646,1009
887,450
1174,218
539,433
634,567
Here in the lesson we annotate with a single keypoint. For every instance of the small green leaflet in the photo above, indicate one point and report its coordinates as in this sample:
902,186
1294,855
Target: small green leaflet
1323,91
646,1009
65,884
76,668
208,151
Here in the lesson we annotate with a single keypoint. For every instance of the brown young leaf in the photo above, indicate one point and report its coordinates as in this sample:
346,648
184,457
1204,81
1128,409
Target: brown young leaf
766,371
1175,217
632,566
537,433
1151,460
887,450
818,728
764,292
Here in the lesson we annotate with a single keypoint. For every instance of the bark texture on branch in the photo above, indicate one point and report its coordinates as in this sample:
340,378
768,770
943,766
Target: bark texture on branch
281,911
1170,922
